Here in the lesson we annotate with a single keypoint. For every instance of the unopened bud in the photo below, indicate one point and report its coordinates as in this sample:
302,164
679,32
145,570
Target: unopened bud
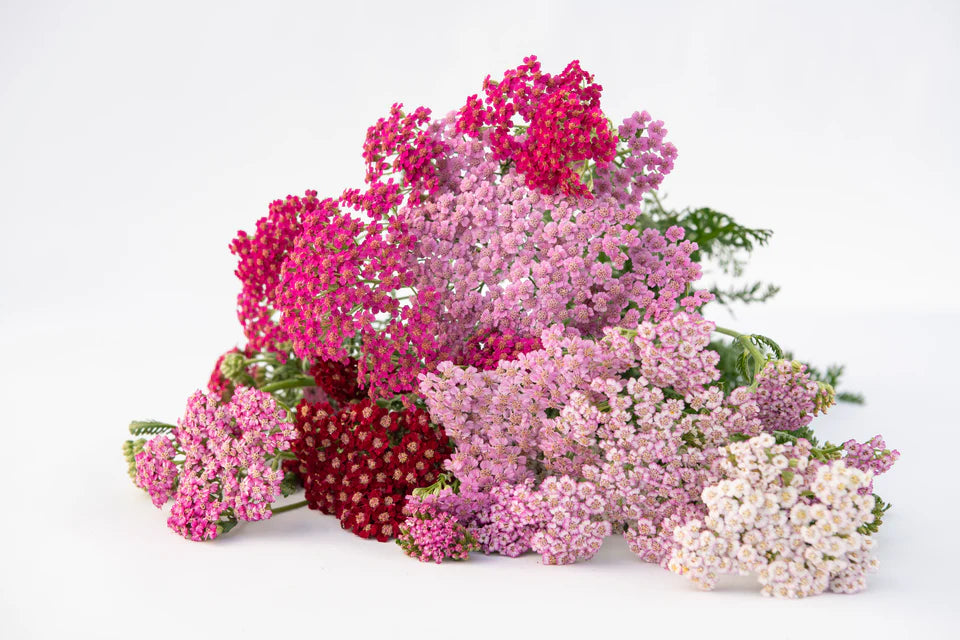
233,366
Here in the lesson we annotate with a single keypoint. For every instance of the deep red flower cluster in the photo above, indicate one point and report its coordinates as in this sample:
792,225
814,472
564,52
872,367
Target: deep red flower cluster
361,462
564,124
486,349
414,150
337,380
261,257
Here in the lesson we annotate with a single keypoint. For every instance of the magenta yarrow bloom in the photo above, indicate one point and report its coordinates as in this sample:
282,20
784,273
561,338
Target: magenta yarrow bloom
156,470
260,258
341,285
433,536
563,124
226,475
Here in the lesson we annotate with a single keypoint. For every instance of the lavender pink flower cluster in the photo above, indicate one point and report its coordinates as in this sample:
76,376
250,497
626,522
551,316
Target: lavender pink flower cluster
499,277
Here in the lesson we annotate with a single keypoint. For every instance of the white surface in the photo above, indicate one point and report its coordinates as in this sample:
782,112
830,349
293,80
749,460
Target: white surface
135,140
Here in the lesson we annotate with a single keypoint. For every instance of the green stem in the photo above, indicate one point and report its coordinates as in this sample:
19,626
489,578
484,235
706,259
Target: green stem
758,358
285,407
289,507
292,383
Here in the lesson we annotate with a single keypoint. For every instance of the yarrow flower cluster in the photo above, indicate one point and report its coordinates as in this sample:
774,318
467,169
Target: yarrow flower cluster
228,469
499,345
260,259
564,124
872,455
360,463
571,529
790,520
432,536
787,397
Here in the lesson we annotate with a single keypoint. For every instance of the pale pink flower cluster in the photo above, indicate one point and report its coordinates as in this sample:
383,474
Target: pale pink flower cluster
573,527
510,521
497,418
226,476
658,454
644,160
786,395
786,518
500,419
673,352
508,256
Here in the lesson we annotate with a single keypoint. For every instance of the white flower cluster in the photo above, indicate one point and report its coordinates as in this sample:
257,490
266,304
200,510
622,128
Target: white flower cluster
775,515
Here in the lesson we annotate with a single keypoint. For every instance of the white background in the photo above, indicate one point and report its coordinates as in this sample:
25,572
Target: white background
135,139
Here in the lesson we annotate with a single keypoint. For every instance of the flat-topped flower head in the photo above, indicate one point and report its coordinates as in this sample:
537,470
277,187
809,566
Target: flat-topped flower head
797,526
542,123
229,473
260,258
788,398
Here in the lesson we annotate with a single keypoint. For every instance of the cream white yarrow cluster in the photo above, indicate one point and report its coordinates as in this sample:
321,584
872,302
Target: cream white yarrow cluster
788,519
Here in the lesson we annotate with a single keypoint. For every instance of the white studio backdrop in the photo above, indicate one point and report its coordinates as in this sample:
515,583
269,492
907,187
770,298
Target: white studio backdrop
137,138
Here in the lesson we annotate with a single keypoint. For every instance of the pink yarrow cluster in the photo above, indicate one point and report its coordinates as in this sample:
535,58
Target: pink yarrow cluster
433,536
787,397
643,161
507,256
499,419
572,528
156,469
225,476
872,455
562,519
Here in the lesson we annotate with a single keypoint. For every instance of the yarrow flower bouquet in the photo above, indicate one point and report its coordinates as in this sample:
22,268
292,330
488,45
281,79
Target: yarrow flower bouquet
498,346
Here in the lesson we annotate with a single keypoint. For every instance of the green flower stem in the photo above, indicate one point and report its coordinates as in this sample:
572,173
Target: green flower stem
285,407
292,383
758,358
289,507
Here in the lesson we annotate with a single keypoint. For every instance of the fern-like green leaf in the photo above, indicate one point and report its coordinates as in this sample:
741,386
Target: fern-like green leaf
150,427
762,341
